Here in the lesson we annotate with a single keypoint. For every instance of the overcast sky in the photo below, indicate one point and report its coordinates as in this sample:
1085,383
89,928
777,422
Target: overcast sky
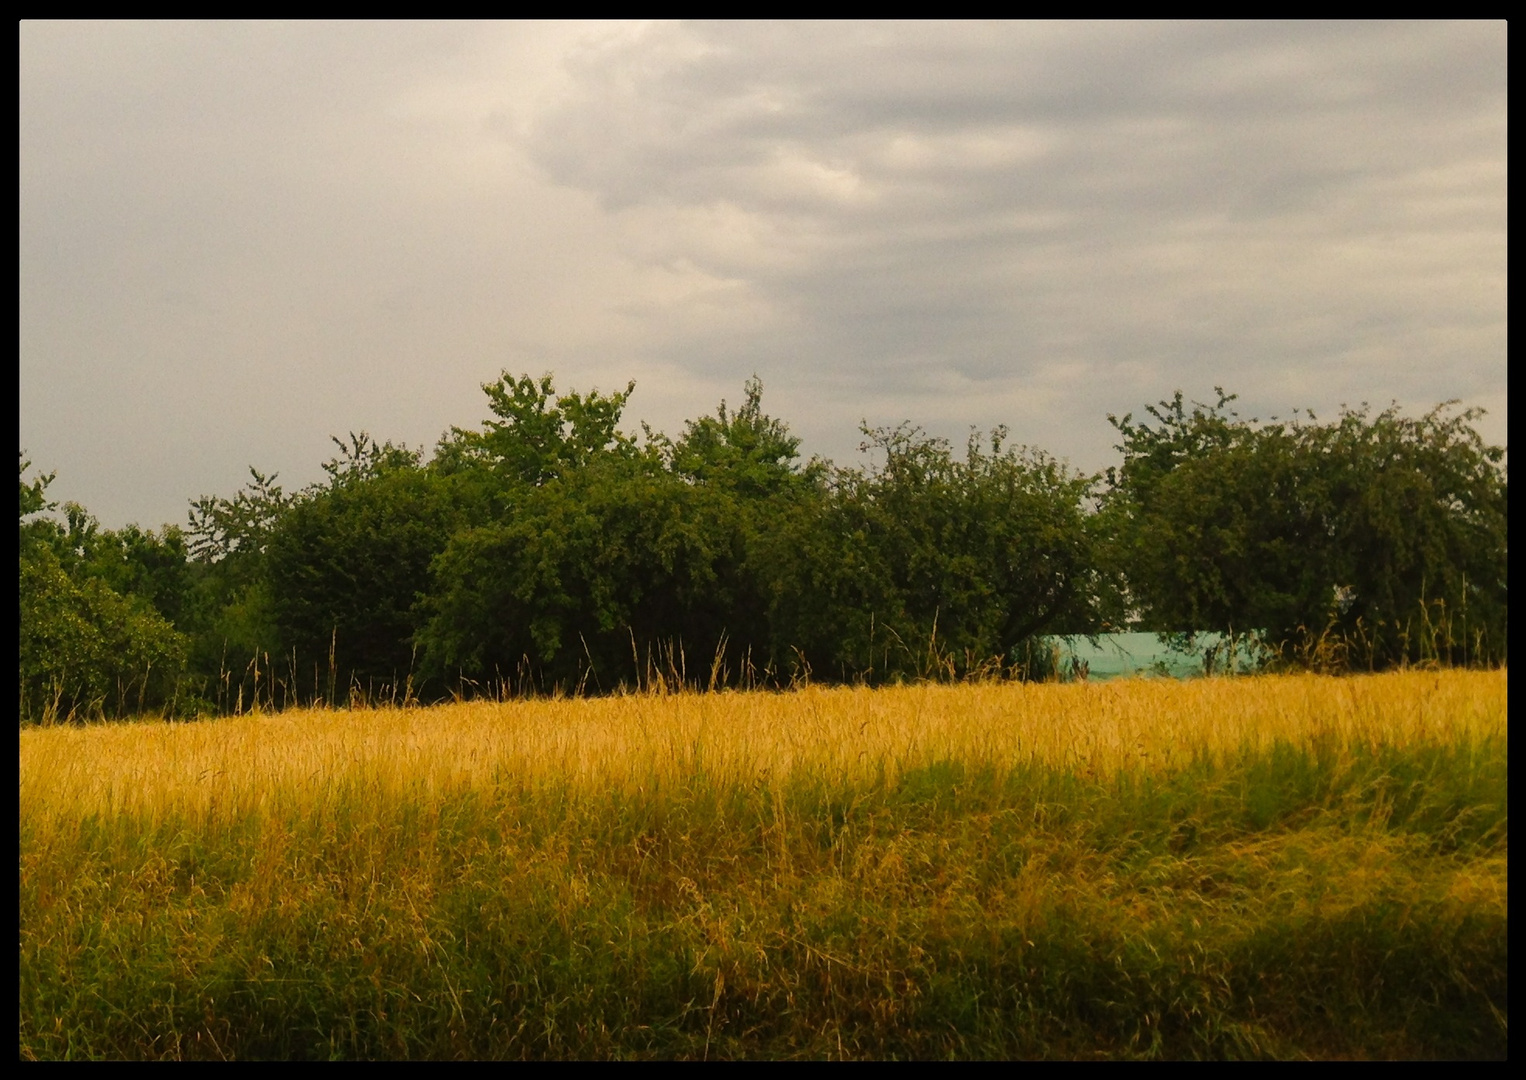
239,239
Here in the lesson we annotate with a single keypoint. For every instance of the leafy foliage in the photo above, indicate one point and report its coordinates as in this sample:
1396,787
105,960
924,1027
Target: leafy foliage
594,569
240,525
1381,535
930,565
536,435
95,631
745,452
348,561
548,550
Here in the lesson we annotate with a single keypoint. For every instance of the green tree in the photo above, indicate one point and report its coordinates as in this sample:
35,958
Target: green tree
596,571
746,452
536,434
594,555
347,561
88,648
229,607
34,497
89,651
1382,536
931,564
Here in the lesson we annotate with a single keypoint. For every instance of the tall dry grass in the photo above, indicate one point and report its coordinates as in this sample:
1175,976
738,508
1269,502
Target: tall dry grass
298,759
1271,866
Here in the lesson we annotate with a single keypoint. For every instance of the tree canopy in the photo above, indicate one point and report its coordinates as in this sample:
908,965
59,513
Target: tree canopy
1383,534
549,550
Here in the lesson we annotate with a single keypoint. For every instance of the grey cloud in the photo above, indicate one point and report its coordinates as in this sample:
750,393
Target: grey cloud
237,239
1169,204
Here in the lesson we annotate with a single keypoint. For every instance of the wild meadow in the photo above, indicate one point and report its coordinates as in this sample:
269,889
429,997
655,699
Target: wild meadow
1278,866
556,741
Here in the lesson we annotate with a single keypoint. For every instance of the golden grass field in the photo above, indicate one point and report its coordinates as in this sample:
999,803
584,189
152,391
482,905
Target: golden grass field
923,871
246,764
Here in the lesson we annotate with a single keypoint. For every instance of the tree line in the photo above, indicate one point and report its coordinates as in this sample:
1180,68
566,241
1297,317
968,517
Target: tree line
546,551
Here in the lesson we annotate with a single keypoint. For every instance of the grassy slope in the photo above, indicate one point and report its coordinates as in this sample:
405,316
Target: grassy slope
1260,867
